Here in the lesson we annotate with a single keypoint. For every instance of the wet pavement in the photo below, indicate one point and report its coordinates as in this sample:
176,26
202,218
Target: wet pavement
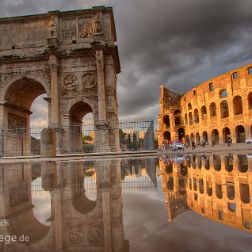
199,202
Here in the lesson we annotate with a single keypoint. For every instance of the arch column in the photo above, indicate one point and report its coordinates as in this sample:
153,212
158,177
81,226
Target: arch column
102,126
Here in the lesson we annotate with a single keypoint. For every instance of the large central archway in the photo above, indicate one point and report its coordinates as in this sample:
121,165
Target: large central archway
18,99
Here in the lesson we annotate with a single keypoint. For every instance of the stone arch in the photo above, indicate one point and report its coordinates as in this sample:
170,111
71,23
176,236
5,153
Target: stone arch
212,109
196,116
166,121
189,106
226,133
250,100
218,191
237,105
74,128
217,162
197,138
242,163
167,136
177,117
228,161
215,136
230,191
205,136
224,109
181,133
203,113
190,118
244,193
18,97
170,184
240,134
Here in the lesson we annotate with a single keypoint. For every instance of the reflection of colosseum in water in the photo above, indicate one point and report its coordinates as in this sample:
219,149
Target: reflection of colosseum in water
216,187
214,110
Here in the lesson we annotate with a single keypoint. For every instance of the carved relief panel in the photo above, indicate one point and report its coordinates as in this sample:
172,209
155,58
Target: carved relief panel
79,83
69,29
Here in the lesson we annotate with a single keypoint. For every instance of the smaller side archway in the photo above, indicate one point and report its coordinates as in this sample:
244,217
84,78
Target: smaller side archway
237,105
215,136
226,134
240,134
224,109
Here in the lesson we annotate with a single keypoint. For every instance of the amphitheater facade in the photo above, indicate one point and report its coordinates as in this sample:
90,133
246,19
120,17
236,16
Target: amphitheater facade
213,111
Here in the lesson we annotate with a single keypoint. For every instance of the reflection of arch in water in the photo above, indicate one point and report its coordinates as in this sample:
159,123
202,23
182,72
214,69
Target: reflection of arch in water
19,210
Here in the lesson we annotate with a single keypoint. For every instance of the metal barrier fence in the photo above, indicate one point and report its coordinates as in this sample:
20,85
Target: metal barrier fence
134,135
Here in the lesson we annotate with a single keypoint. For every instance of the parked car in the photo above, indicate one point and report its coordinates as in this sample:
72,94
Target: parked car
248,141
177,146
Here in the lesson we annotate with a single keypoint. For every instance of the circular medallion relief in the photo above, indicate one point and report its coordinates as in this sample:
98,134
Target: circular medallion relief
70,82
89,80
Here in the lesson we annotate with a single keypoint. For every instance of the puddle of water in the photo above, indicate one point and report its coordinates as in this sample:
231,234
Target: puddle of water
175,203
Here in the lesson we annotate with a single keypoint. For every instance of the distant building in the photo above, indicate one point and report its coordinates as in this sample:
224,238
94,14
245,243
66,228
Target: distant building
215,110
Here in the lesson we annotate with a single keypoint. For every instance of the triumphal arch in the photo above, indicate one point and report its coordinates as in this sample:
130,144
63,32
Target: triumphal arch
71,57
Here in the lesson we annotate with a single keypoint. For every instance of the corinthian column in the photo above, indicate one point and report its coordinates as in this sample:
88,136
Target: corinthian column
102,139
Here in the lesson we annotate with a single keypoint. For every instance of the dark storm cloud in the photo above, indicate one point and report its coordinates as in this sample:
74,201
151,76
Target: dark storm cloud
178,42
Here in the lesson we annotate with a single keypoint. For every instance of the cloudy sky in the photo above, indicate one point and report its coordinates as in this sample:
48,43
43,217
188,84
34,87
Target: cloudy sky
180,43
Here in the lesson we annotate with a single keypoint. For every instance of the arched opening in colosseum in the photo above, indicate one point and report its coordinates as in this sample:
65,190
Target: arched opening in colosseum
237,105
209,187
215,136
187,140
196,116
212,109
166,120
195,196
190,118
190,183
192,138
231,207
203,113
242,163
197,138
167,136
189,106
224,109
170,184
169,168
194,162
19,98
244,193
201,185
181,133
228,161
250,100
181,184
183,169
177,117
199,162
217,162
226,134
218,191
207,163
230,191
240,134
205,137
186,119
195,186
77,113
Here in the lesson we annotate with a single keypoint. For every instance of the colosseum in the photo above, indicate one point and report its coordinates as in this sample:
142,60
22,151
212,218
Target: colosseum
218,187
212,112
